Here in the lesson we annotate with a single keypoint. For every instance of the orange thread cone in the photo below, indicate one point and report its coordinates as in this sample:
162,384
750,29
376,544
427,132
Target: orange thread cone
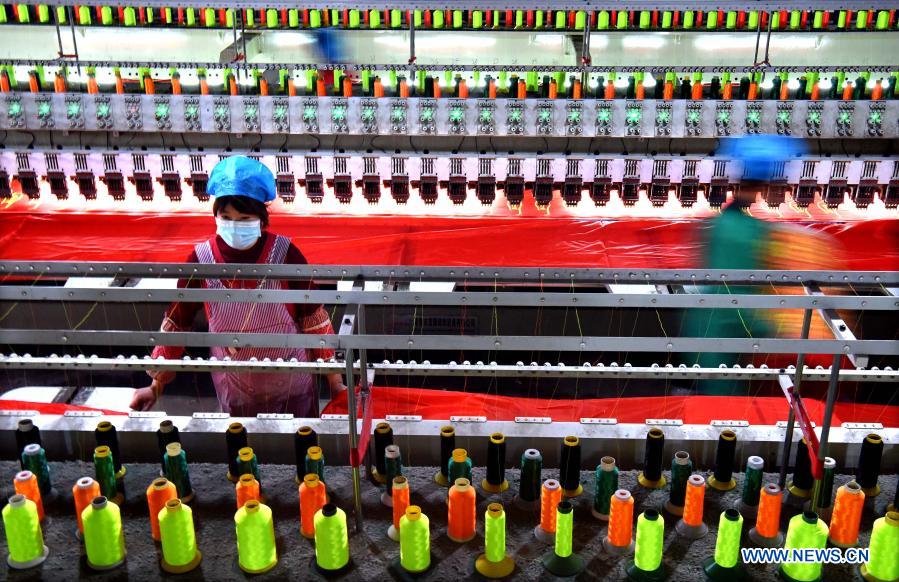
313,497
158,493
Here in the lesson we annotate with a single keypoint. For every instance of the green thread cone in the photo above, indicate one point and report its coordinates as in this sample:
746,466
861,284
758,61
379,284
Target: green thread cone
24,538
459,466
176,471
34,459
104,542
256,550
247,463
315,462
179,539
752,485
332,550
105,474
805,531
681,469
606,485
529,483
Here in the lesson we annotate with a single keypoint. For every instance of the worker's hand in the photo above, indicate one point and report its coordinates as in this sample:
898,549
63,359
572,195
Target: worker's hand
145,398
162,377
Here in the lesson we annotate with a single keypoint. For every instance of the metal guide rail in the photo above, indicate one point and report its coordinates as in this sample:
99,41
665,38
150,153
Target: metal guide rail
532,117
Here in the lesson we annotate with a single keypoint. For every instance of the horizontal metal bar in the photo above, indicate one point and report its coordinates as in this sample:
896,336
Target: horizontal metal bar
451,342
462,274
434,298
426,368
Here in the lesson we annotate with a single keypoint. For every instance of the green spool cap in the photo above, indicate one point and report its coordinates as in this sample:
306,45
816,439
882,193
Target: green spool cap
417,18
580,20
62,17
246,458
338,76
538,22
689,18
335,18
24,538
3,18
210,17
477,19
775,20
753,20
448,78
106,15
560,80
315,18
24,16
519,18
149,13
177,472
712,19
104,543
795,19
621,20
293,18
459,466
354,18
602,22
841,19
697,77
256,551
229,18
105,473
645,19
332,549
560,19
883,20
606,485
283,79
437,19
725,78
731,20
420,76
251,18
393,79
457,19
476,77
178,538
191,16
531,80
374,19
84,15
167,15
315,463
271,18
396,18
667,19
861,19
818,19
43,13
415,541
366,80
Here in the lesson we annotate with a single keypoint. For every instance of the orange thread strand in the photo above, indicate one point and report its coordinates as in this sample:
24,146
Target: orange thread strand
550,496
246,489
313,497
695,500
158,493
767,523
461,511
621,519
83,492
847,514
26,484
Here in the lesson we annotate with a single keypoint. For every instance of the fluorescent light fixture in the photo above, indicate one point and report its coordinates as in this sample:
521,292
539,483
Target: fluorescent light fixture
824,84
767,84
292,39
550,40
793,84
641,41
649,81
739,42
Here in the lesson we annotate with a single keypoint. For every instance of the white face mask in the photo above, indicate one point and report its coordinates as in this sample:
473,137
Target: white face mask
239,234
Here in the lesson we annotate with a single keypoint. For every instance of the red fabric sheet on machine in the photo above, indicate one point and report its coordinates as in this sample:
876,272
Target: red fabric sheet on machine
441,404
401,240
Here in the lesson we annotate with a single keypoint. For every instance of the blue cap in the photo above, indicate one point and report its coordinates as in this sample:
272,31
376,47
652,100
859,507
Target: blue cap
760,153
241,176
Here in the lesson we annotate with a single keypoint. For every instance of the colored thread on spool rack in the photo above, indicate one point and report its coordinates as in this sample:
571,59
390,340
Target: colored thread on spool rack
752,485
313,496
681,469
332,549
722,477
647,562
235,440
393,463
177,472
691,524
494,562
570,467
495,482
724,566
315,462
400,495
165,434
179,538
106,435
529,482
415,541
104,543
382,438
806,531
619,538
246,489
25,483
652,477
847,515
160,492
461,511
459,466
562,561
825,502
869,464
605,487
24,538
304,438
550,496
35,460
801,485
883,560
247,463
26,434
256,551
83,492
766,532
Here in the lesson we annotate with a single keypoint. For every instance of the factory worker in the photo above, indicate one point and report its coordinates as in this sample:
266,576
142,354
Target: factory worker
241,188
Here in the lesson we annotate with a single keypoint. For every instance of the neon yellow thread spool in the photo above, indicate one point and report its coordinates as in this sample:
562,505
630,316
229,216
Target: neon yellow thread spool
648,546
24,538
494,562
179,540
725,565
104,541
562,561
332,548
883,560
256,552
805,531
415,541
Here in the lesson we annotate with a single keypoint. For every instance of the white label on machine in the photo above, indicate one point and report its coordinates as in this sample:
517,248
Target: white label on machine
273,416
211,415
664,421
468,419
599,421
783,424
534,419
148,414
403,418
82,413
730,423
19,413
335,417
863,425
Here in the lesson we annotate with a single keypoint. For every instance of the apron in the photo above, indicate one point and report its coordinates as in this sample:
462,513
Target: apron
250,393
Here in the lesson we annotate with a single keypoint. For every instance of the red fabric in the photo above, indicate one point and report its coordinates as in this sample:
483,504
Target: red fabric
402,240
441,404
52,408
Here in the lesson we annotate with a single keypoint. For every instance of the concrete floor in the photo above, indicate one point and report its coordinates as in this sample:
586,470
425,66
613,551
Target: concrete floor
371,550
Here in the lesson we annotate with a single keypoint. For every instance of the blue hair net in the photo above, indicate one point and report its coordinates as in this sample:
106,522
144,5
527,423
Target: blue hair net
760,153
241,176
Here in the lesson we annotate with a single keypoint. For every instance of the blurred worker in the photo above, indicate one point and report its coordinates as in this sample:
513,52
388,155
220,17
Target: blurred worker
736,240
242,187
